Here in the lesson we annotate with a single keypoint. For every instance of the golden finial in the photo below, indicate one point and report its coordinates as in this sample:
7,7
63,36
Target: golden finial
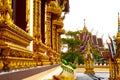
118,23
84,22
84,29
118,20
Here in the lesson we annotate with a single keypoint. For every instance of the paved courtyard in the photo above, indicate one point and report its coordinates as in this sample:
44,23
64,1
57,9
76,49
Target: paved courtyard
97,76
82,76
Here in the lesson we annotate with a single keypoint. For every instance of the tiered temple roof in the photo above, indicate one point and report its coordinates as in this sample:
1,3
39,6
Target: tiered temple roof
94,40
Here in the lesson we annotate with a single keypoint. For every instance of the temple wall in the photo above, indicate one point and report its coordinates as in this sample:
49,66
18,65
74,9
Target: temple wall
37,43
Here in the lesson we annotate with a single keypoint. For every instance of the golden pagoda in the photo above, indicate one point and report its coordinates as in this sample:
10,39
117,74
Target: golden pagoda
88,60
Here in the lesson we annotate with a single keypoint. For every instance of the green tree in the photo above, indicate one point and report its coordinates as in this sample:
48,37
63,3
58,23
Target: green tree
71,56
97,55
73,43
72,40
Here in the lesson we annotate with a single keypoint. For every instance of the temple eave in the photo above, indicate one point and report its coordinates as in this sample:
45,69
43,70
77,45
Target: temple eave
61,31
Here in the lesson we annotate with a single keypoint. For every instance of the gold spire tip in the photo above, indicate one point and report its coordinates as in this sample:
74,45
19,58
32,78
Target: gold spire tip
84,22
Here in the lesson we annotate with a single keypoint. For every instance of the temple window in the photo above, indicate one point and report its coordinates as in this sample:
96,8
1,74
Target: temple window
19,13
43,20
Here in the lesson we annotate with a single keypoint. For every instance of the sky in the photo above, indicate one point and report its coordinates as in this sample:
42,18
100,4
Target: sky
101,16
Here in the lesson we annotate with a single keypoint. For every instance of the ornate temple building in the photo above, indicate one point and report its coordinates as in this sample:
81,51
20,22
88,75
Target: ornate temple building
95,42
30,32
114,59
113,55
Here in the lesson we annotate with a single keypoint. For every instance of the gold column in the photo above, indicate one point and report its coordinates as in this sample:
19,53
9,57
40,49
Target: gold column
54,37
39,18
1,63
34,18
6,12
28,18
48,30
5,18
36,21
110,68
58,42
59,32
118,69
28,15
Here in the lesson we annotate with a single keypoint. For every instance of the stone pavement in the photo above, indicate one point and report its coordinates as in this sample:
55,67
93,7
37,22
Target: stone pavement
102,75
46,74
79,75
82,76
96,76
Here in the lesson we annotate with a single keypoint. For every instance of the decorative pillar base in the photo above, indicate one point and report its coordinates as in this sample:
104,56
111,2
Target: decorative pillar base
113,79
118,77
89,71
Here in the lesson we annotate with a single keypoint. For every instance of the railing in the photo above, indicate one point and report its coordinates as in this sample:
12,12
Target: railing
95,66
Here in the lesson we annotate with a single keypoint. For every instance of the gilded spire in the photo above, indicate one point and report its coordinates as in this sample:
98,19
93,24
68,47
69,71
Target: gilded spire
84,29
118,34
84,22
118,22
